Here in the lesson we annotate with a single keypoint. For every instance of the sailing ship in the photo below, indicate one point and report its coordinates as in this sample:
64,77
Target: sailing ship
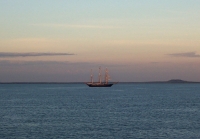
100,83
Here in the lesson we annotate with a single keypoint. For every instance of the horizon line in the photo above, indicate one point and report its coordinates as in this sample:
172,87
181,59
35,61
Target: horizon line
38,82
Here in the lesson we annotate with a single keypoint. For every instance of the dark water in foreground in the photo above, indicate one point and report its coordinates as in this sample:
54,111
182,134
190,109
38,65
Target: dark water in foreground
75,111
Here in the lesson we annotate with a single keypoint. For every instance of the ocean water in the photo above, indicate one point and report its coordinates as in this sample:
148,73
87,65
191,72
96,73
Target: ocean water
75,111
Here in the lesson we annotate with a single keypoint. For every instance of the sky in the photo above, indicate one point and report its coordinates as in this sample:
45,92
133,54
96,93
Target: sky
62,40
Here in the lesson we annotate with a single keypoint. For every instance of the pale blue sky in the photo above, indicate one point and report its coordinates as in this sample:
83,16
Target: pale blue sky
21,14
136,39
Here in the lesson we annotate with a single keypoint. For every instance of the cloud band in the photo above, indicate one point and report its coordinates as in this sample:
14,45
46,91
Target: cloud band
12,55
187,54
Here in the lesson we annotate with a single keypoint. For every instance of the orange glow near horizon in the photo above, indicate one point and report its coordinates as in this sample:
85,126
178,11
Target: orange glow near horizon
133,37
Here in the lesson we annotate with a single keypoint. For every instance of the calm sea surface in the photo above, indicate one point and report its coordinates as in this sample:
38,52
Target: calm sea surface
75,111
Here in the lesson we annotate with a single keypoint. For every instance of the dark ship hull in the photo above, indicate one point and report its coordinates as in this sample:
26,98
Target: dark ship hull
98,85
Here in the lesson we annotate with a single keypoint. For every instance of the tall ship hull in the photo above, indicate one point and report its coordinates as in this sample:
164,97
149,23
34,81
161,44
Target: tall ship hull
100,83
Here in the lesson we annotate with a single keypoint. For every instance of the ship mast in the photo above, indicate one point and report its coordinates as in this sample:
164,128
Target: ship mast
100,75
91,76
106,76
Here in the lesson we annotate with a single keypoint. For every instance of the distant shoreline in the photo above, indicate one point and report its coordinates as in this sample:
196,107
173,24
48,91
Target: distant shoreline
173,81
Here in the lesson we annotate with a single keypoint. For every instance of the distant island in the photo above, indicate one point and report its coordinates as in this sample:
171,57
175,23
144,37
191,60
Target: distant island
177,81
173,81
169,81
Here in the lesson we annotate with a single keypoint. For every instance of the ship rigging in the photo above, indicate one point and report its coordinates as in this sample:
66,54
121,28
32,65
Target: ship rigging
100,83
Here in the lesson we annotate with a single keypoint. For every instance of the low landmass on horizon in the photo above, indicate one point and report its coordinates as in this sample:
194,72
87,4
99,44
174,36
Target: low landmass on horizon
169,81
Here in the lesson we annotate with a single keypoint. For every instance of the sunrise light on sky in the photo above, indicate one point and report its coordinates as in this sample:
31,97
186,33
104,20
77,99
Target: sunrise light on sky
137,40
